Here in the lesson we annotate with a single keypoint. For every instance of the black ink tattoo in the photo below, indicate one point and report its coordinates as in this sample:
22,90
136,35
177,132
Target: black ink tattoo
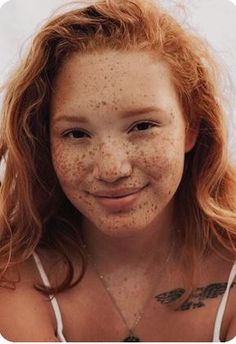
170,296
196,299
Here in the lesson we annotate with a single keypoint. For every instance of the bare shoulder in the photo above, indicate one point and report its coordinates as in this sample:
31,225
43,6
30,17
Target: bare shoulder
231,332
231,308
221,271
26,314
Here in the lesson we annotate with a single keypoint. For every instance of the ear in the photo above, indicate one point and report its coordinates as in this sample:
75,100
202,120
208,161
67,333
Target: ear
191,134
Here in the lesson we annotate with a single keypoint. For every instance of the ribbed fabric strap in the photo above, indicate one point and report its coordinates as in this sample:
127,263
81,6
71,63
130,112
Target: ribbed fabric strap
53,299
221,309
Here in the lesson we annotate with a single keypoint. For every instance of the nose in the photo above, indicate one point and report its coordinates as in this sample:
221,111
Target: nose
112,164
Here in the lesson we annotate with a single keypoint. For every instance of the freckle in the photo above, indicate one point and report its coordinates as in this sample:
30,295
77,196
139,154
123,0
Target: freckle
105,77
121,89
104,103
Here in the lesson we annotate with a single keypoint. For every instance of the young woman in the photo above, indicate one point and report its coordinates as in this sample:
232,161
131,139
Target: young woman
118,200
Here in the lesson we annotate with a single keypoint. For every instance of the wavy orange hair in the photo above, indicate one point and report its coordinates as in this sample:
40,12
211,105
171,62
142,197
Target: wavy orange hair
34,211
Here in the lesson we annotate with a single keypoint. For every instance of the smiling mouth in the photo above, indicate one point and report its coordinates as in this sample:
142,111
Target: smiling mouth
116,203
118,194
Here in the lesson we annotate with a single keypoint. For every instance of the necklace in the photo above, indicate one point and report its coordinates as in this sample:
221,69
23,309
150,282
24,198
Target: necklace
131,337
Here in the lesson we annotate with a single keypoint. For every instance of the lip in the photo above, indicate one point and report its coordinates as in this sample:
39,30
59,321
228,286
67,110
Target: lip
119,203
117,193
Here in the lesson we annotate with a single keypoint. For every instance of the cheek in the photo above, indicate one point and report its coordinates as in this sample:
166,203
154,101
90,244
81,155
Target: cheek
68,163
163,160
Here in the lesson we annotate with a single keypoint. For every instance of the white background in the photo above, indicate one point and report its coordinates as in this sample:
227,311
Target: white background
215,20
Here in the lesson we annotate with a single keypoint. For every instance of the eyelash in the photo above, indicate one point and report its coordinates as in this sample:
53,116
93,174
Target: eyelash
66,134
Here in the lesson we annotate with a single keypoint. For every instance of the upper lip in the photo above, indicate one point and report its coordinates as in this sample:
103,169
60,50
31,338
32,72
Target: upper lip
118,192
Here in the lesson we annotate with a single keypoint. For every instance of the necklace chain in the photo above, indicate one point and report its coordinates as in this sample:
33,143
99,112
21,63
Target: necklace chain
131,336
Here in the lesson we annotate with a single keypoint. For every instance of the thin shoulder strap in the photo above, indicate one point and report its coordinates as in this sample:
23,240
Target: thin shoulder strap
221,309
53,299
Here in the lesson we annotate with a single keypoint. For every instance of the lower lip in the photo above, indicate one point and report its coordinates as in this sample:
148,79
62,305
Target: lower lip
119,203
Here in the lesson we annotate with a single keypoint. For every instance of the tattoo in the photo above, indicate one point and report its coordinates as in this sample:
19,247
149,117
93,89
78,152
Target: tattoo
197,297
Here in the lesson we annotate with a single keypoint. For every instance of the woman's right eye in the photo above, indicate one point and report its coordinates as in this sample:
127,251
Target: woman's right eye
74,134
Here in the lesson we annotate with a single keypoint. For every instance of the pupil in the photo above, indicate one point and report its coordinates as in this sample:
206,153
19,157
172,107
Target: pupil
78,134
143,126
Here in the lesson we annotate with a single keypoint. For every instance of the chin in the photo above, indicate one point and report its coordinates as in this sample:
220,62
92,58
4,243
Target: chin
121,228
121,232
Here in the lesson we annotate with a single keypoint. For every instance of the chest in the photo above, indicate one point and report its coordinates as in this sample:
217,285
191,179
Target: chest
90,313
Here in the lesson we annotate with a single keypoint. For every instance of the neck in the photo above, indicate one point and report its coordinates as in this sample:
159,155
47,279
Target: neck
153,244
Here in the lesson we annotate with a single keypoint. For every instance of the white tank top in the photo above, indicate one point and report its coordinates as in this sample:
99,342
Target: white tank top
56,309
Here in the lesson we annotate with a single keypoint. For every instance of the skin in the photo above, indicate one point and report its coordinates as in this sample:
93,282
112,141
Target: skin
104,88
115,154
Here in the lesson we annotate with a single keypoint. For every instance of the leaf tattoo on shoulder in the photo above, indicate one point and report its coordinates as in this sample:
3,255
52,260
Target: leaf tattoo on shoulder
197,297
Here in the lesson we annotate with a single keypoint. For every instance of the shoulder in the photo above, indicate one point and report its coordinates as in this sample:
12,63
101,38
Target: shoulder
225,272
231,313
26,314
231,332
231,307
212,291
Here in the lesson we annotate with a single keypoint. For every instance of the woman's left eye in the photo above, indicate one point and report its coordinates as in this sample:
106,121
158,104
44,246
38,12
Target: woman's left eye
141,126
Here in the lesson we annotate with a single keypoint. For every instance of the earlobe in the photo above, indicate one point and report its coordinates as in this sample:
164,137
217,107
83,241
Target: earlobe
191,135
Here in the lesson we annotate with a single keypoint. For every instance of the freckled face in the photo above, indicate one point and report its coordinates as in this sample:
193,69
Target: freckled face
98,141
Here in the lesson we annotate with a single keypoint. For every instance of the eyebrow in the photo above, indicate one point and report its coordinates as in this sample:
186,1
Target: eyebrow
123,114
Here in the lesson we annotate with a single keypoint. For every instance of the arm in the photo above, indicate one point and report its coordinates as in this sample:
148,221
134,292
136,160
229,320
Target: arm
29,326
25,317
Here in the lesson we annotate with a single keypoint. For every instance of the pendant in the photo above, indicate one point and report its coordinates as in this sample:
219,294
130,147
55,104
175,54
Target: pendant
131,338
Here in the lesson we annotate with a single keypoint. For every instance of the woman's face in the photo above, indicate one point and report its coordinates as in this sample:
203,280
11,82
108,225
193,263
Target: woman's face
117,128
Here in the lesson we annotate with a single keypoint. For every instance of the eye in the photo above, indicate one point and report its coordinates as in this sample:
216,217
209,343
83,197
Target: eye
141,126
75,134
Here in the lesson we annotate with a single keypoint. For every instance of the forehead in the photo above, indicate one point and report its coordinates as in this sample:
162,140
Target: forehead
112,78
117,65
